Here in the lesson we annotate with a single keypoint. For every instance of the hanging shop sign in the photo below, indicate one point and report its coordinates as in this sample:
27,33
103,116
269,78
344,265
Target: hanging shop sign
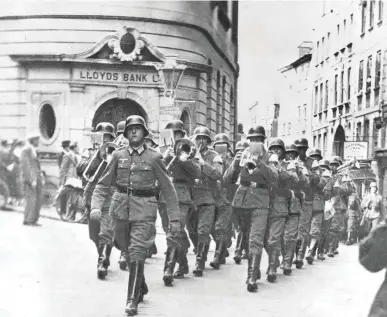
355,149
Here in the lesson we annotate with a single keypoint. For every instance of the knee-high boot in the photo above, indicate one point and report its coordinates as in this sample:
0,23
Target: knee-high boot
101,270
182,264
239,248
288,258
136,278
199,265
332,244
106,259
169,265
253,271
220,245
272,272
310,256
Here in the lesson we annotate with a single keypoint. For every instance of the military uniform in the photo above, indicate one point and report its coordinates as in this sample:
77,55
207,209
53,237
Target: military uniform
374,211
134,173
251,203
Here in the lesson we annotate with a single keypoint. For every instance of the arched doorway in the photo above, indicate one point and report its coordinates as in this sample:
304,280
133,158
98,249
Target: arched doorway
116,110
186,121
338,142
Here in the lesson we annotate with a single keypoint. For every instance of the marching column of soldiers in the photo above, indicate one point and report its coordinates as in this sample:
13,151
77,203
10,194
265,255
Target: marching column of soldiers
287,200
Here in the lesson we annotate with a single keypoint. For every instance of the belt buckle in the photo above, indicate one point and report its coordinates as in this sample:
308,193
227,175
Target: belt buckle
197,181
130,191
253,184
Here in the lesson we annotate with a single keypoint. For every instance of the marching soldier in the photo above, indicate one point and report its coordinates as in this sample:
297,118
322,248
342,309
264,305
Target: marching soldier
100,229
289,240
242,243
307,202
182,170
373,206
280,196
134,171
252,198
353,218
223,209
204,193
318,203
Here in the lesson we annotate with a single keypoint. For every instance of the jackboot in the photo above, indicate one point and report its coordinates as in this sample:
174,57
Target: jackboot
106,259
245,246
332,244
182,265
143,291
194,239
350,239
310,257
297,251
169,265
320,249
238,249
272,272
225,254
136,279
199,265
253,272
101,270
123,261
151,251
288,257
215,263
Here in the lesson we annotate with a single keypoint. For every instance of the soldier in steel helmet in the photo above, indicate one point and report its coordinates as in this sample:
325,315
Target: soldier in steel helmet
307,202
289,240
134,171
182,170
242,244
252,198
223,211
373,207
100,230
204,194
280,197
318,202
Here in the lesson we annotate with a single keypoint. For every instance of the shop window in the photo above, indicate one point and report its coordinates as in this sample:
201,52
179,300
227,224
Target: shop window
47,121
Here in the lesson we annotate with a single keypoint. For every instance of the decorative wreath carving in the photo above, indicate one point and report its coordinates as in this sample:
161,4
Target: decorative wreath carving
127,45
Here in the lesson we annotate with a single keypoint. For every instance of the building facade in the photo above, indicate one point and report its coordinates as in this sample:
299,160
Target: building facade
66,66
295,117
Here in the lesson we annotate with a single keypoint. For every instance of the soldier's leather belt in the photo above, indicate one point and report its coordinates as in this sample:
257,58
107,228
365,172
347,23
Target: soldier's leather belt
254,185
136,192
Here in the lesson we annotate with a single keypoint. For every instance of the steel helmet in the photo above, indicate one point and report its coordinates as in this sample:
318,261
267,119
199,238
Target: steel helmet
324,163
336,160
221,138
301,143
277,142
121,127
105,128
241,146
291,148
176,125
202,131
151,138
257,131
315,152
136,120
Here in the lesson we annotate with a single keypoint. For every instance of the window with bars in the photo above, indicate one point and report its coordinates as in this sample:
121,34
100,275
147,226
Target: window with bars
361,74
336,78
363,17
326,95
342,87
380,10
349,84
321,97
218,104
369,70
223,108
372,8
315,98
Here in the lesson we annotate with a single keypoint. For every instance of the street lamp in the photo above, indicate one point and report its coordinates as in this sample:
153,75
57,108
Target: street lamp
170,74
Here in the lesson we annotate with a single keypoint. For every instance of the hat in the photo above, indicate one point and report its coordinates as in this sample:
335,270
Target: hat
65,143
373,184
73,145
33,136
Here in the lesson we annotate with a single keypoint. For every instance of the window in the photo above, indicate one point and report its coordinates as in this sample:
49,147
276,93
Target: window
366,130
352,18
326,95
321,97
363,17
372,6
47,121
235,9
223,105
325,144
360,81
336,77
342,87
233,122
222,13
314,141
328,43
317,52
319,142
349,84
315,98
369,69
377,69
305,117
284,129
358,131
289,129
218,104
322,48
380,10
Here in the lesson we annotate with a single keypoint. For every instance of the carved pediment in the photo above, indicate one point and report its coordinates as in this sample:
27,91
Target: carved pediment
127,45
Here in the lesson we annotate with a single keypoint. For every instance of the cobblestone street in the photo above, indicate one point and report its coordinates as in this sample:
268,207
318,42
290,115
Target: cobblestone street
51,271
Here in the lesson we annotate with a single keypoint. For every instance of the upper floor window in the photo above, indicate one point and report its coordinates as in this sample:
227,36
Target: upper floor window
235,14
349,84
315,98
222,13
321,97
380,10
377,69
363,16
372,7
361,71
336,78
326,95
369,70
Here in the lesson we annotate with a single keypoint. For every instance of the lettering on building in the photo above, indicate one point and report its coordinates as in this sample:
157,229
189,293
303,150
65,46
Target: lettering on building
135,77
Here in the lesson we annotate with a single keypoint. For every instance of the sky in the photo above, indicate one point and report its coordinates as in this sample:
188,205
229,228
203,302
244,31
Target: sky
269,35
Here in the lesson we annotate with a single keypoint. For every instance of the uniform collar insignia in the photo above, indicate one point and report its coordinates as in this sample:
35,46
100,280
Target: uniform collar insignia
139,149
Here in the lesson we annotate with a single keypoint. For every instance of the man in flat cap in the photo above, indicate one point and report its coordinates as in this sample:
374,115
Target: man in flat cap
66,149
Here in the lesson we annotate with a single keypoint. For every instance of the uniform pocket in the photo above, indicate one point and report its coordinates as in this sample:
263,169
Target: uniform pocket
142,208
119,207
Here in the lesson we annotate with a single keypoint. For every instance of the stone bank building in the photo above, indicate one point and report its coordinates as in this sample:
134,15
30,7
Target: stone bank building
66,66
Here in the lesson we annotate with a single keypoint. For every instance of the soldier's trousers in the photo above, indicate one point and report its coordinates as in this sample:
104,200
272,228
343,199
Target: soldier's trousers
337,227
102,231
274,232
205,219
222,223
304,227
253,222
192,225
134,237
162,208
290,236
184,208
316,224
324,238
370,224
33,198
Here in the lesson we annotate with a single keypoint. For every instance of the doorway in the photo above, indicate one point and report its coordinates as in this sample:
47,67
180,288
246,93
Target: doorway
338,142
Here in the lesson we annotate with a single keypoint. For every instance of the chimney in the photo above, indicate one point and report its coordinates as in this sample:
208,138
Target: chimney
305,48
